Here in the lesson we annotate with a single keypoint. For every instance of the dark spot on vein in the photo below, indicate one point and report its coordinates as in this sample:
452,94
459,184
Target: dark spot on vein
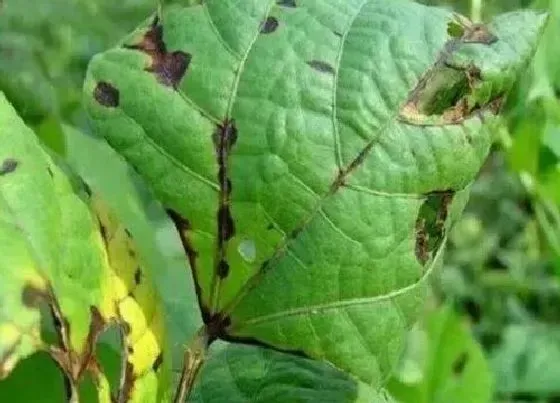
339,34
460,363
224,139
269,25
8,166
430,224
270,227
127,232
225,224
130,350
168,67
50,172
131,253
158,362
223,269
322,67
106,94
295,232
33,297
138,276
184,228
286,3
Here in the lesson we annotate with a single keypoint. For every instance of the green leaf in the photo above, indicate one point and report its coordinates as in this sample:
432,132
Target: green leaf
528,360
313,160
84,266
243,374
443,363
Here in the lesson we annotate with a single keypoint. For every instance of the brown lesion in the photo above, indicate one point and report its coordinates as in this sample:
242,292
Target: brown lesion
321,66
8,166
442,94
106,94
168,67
460,363
431,224
269,25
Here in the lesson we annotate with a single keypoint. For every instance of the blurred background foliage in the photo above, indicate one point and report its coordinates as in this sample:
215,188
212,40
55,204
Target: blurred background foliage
496,333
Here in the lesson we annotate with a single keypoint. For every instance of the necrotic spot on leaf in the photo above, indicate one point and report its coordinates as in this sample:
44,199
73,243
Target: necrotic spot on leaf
460,363
9,165
169,67
138,276
430,224
223,269
157,363
286,3
106,95
323,67
32,297
225,223
269,25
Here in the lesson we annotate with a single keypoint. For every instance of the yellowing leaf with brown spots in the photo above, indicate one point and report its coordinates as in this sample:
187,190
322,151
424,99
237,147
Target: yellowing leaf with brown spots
58,257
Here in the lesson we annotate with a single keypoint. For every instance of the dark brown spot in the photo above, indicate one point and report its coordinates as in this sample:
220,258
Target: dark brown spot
104,232
286,3
33,297
168,67
295,232
225,223
269,25
157,363
107,95
138,276
132,253
460,363
126,328
430,224
216,326
9,165
223,269
130,350
322,67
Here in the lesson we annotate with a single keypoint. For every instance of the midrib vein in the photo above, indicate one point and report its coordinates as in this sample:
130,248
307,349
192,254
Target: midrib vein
223,161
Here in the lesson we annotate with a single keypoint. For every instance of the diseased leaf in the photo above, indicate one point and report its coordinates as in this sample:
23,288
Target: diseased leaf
313,160
57,253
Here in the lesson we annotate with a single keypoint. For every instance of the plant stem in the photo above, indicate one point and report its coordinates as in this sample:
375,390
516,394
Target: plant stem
476,10
193,360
